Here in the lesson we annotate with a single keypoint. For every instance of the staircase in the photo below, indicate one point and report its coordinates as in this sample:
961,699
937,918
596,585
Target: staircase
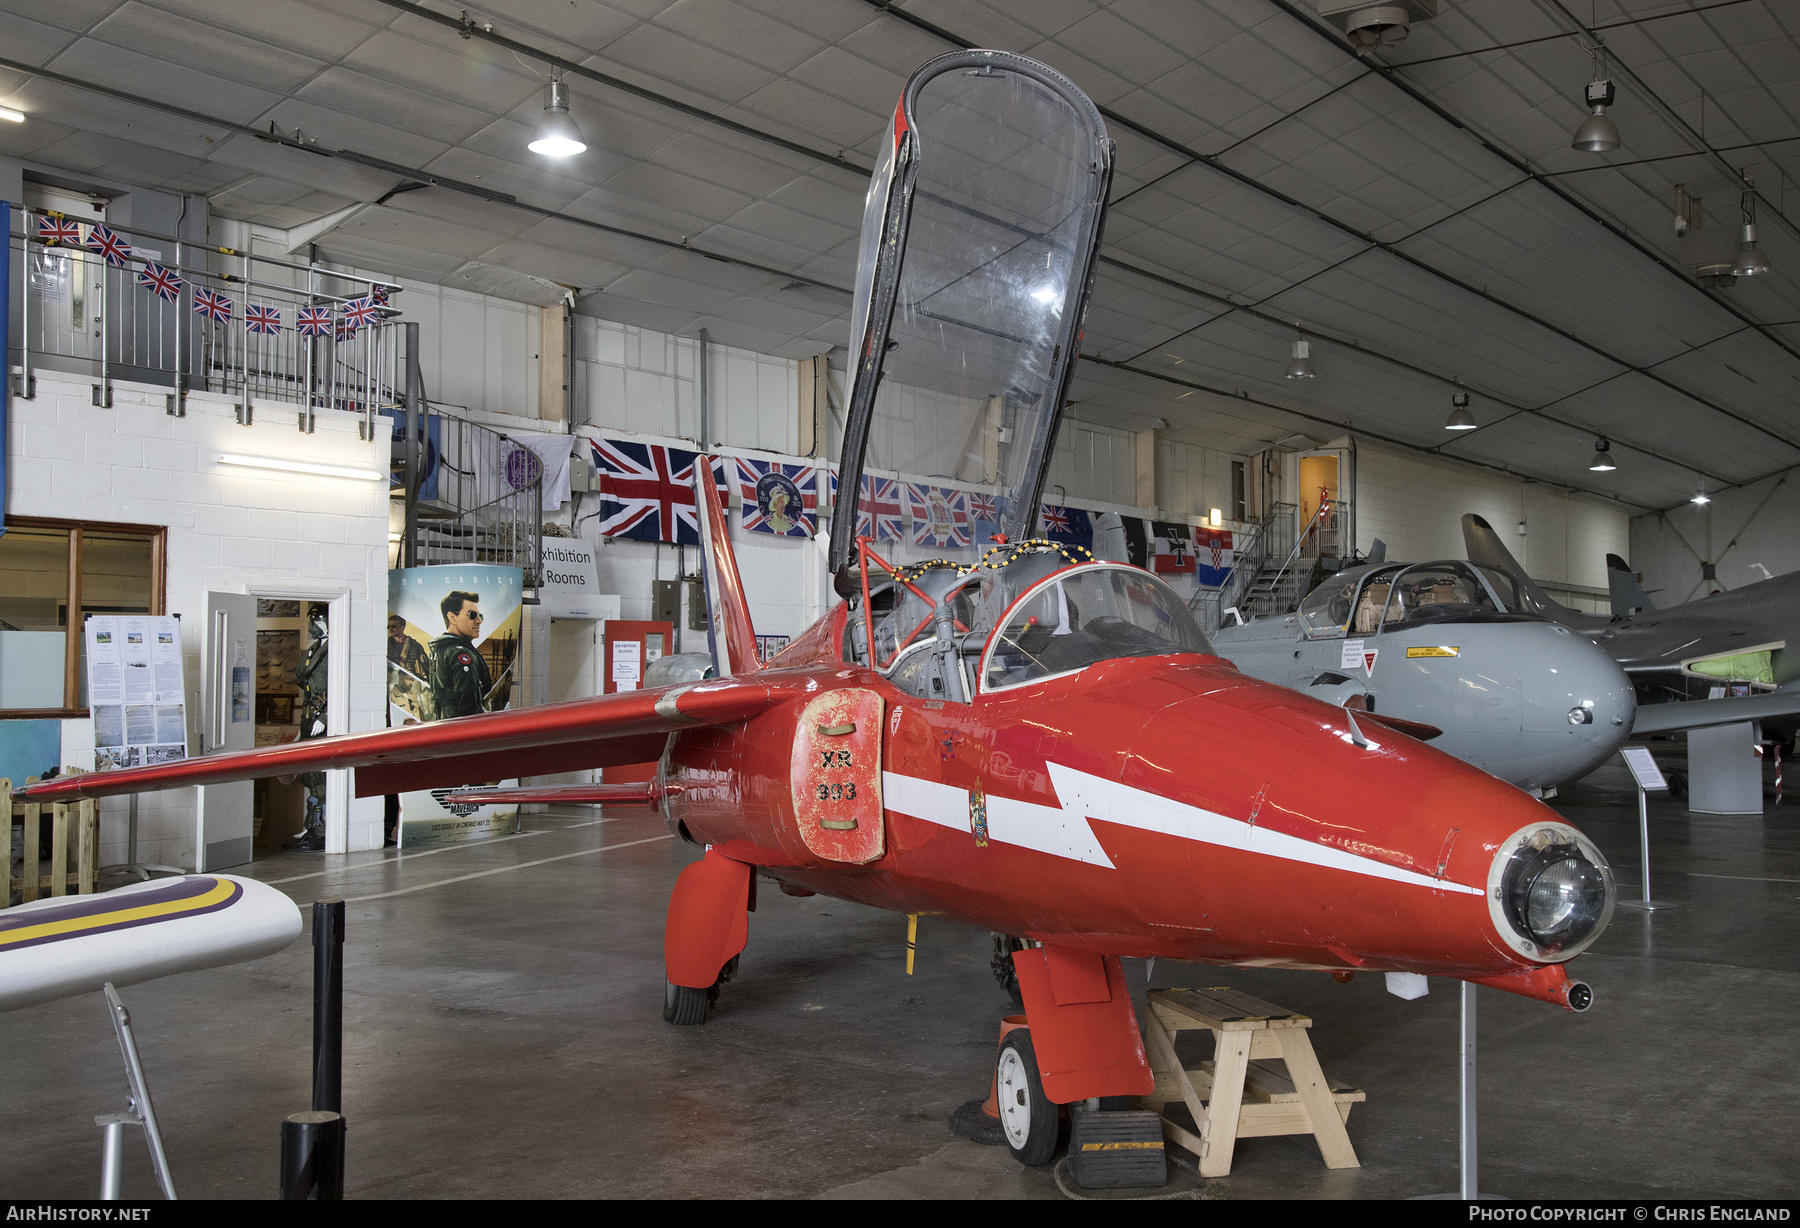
480,499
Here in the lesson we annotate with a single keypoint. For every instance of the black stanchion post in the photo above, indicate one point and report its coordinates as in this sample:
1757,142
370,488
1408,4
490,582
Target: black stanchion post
312,1157
328,1006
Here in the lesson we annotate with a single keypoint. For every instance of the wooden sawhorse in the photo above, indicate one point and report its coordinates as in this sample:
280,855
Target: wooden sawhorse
1244,1095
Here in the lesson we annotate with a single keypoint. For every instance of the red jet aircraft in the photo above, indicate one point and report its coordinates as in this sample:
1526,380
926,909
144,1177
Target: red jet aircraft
1035,744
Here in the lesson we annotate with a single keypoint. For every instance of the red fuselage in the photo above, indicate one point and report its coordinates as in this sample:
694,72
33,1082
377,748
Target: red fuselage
1154,807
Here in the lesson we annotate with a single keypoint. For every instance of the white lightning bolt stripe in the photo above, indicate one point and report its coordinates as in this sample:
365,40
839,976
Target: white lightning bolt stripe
1063,831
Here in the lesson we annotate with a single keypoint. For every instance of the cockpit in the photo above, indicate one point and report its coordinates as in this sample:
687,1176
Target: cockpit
1021,615
1364,601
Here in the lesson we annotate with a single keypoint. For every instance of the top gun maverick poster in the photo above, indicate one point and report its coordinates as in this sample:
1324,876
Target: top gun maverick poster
452,650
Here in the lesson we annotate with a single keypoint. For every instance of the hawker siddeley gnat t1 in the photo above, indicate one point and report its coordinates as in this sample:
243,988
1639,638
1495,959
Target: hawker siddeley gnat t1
1445,645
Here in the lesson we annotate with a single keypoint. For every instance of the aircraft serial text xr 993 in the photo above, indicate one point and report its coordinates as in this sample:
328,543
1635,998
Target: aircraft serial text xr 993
1032,744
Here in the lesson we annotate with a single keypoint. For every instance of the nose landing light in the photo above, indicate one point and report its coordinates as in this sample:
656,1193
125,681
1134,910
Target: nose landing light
1550,892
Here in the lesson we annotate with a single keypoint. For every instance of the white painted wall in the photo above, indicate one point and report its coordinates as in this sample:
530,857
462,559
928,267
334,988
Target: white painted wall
236,531
1416,503
1738,528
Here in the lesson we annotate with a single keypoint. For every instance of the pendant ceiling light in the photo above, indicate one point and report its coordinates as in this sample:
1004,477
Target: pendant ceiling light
1603,461
1300,366
1597,134
1750,262
1460,418
557,135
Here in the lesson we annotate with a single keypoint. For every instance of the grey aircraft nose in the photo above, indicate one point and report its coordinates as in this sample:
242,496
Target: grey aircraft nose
1577,704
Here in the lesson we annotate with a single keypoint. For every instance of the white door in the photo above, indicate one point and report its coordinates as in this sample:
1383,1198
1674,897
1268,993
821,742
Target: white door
224,830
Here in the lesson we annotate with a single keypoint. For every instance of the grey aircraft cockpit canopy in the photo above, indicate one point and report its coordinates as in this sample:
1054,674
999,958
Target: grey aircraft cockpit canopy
976,261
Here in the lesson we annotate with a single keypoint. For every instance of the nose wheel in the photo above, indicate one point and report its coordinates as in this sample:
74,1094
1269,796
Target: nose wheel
1027,1118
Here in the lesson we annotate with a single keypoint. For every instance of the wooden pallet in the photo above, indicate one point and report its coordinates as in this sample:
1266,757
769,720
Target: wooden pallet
1242,1093
32,885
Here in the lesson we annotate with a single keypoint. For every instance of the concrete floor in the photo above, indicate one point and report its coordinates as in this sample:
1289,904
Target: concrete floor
504,1039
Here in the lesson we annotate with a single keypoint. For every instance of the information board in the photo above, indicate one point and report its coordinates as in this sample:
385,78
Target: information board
135,691
1643,767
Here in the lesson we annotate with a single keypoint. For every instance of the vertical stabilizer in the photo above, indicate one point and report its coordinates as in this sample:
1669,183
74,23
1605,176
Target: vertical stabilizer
729,634
1485,549
1628,596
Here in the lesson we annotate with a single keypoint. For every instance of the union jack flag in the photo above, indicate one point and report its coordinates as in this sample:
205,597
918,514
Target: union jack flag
212,304
939,517
1056,519
647,492
984,507
58,230
777,498
160,281
359,313
380,294
314,322
878,509
108,243
261,319
1068,524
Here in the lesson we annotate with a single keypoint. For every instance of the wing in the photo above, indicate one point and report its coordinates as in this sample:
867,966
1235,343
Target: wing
627,727
1699,713
636,793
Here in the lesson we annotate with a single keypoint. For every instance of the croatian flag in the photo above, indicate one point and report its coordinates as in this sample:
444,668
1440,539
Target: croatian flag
314,322
647,492
107,242
212,304
1212,556
59,230
261,319
160,281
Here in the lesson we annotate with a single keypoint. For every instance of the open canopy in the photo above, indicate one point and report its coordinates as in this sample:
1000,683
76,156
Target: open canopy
977,255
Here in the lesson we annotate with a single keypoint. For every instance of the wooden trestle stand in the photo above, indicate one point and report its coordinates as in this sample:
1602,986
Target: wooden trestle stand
1240,1093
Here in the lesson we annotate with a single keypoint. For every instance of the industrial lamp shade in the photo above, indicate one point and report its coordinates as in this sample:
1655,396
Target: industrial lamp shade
1750,261
1603,461
1597,133
1301,365
557,134
1461,420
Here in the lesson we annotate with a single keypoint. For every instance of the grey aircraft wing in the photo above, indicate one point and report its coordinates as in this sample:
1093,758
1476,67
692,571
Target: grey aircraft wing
1700,713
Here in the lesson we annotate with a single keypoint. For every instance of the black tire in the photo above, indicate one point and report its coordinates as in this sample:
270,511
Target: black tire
1677,783
1029,1120
684,1005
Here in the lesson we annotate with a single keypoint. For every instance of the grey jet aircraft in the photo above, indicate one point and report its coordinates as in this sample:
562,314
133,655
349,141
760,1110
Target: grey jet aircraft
1443,644
1676,656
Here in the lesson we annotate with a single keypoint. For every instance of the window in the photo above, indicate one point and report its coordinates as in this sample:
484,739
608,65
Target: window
1436,592
1090,614
1240,508
53,567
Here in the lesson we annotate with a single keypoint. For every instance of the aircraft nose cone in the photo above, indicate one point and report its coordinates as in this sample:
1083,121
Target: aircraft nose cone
1577,703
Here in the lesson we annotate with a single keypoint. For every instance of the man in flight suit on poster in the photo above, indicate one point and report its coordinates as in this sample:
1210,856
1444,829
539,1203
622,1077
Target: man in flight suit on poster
459,674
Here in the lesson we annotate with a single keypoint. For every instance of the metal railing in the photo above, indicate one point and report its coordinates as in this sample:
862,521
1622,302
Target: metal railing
1324,521
1249,557
480,497
85,315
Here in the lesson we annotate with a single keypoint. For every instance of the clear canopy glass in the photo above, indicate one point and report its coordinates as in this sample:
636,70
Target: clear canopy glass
1087,615
977,246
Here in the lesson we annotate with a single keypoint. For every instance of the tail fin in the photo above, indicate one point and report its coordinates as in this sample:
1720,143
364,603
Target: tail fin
729,634
1485,549
1628,596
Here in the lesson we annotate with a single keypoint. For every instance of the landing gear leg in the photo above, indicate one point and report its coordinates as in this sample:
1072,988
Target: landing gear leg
707,928
1002,964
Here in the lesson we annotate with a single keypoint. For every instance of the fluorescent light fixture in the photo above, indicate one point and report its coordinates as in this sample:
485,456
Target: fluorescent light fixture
557,135
17,117
294,466
1217,518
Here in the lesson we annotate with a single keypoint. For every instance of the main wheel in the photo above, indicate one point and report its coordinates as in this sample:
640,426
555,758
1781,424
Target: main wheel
1026,1115
683,1005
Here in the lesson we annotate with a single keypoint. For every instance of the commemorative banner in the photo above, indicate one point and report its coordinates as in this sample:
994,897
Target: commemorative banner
453,637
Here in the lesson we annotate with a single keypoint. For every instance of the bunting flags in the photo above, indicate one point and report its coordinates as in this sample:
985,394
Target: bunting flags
314,322
261,318
777,498
212,304
359,313
112,248
939,517
59,229
162,282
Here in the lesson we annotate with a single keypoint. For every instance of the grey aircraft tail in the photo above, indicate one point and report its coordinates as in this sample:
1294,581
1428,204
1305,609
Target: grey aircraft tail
1628,596
1485,549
